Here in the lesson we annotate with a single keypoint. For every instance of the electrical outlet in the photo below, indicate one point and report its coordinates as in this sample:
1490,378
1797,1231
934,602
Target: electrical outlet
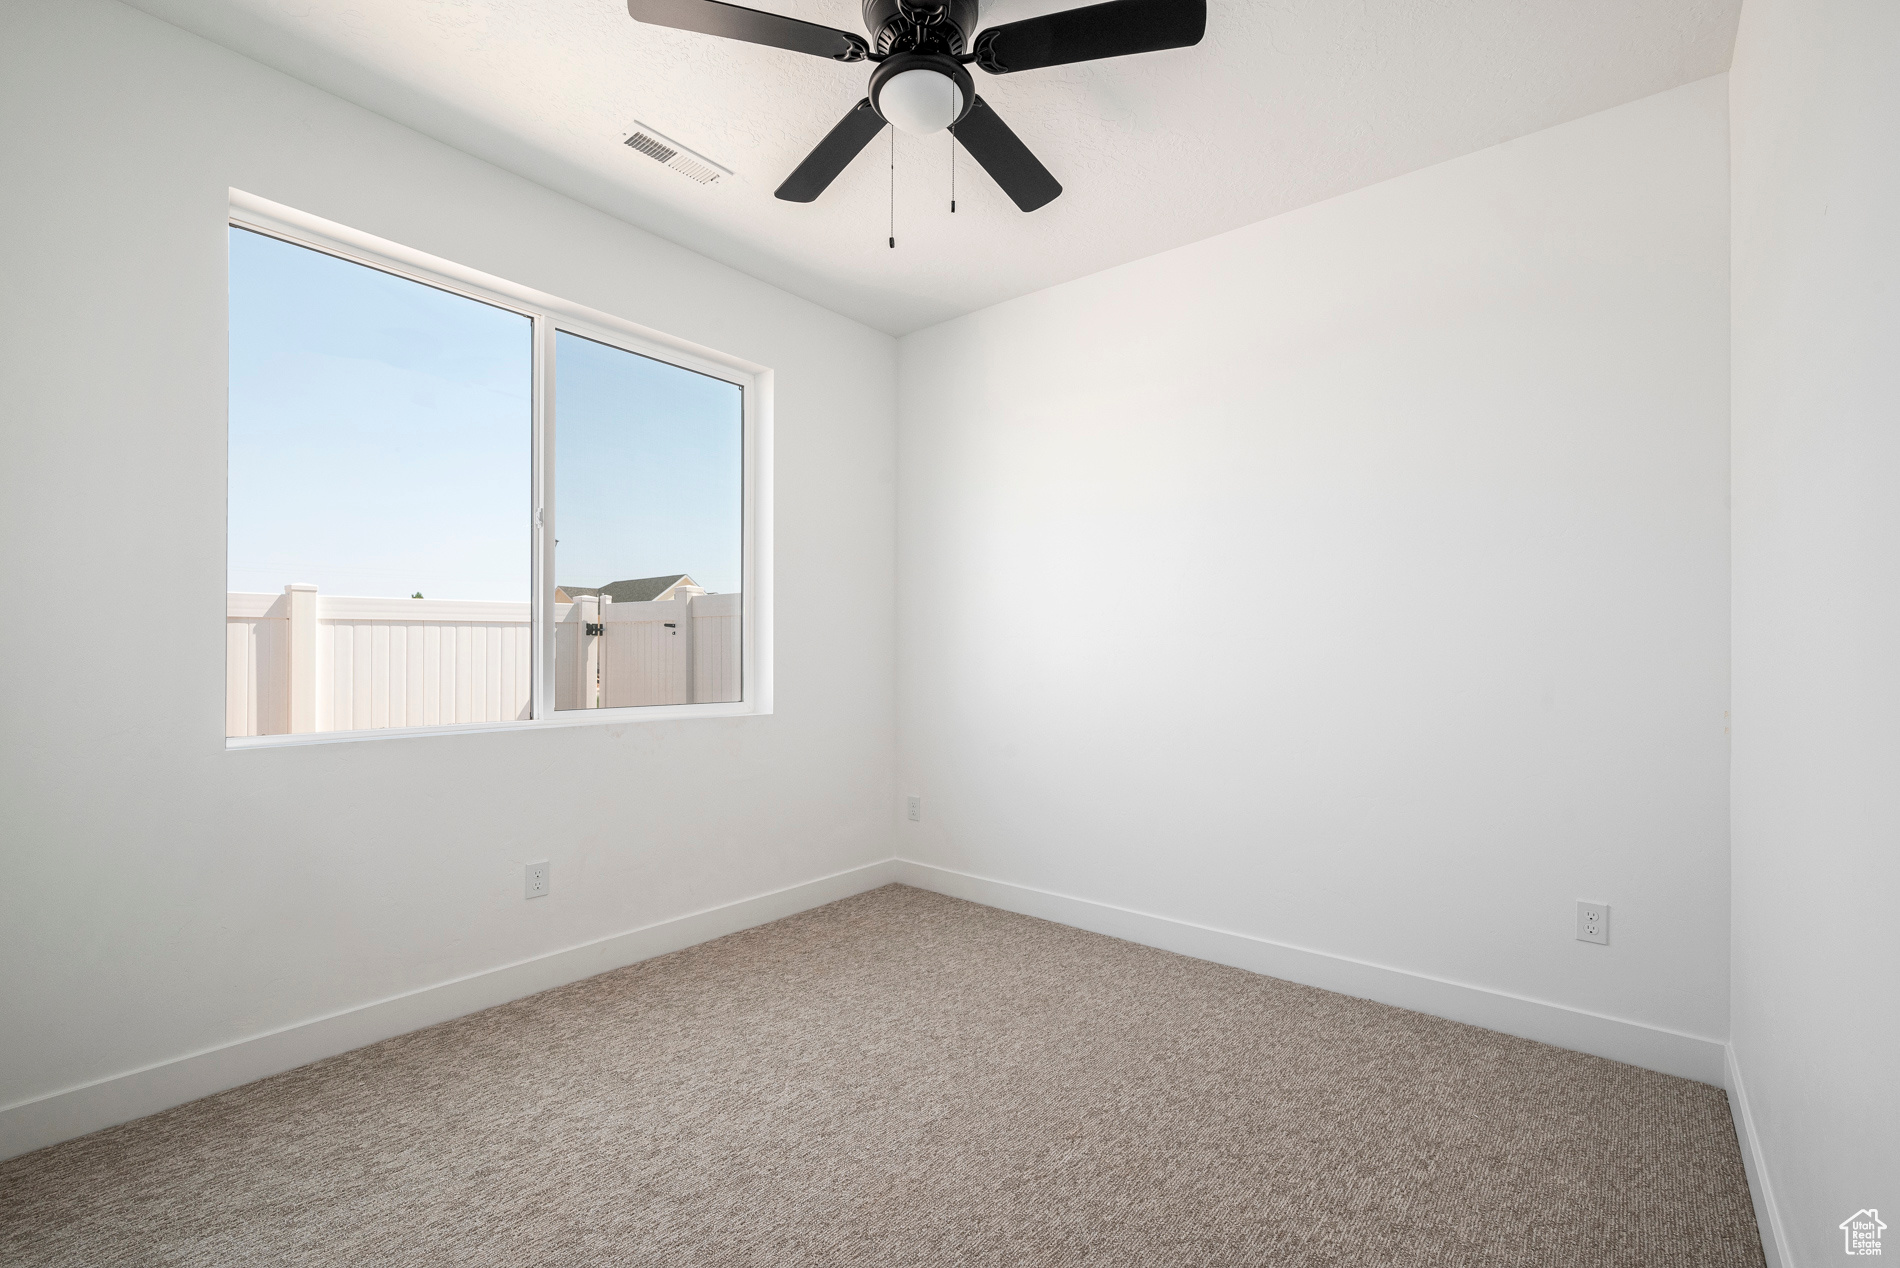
538,880
1593,922
916,809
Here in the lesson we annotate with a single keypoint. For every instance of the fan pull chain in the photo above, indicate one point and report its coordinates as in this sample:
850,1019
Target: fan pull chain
956,100
893,189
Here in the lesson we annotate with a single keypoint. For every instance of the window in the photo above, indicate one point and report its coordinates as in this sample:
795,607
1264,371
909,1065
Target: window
647,477
455,503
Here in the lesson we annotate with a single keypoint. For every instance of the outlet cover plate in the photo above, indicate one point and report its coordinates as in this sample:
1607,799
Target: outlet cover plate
538,880
915,809
1593,922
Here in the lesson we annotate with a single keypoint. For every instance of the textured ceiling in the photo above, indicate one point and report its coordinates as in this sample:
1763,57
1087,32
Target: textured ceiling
1285,103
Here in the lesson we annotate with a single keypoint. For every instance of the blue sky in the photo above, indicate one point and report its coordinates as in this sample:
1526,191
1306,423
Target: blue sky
647,479
381,436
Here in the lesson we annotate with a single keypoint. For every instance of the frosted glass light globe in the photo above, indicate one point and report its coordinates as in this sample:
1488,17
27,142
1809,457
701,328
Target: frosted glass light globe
920,101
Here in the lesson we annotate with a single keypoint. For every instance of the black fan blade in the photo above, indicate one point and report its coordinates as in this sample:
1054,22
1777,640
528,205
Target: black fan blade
833,154
709,17
1115,29
1008,161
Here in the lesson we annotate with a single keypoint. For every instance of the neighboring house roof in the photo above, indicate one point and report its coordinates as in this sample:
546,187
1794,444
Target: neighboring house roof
639,590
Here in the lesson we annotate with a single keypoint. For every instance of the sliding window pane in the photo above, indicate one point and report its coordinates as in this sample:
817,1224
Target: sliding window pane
380,496
648,504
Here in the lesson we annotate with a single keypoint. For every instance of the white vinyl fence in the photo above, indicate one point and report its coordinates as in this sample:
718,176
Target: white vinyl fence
676,651
299,661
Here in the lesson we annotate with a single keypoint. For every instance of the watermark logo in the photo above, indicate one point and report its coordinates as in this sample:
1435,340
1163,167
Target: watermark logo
1861,1232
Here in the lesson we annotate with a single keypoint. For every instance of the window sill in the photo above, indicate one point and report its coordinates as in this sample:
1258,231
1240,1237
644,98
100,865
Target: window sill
566,718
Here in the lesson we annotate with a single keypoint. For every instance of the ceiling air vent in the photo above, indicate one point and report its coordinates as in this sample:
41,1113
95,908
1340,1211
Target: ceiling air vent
663,149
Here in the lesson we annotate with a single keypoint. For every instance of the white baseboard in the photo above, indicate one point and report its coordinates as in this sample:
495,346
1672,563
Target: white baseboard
1651,1047
47,1120
63,1115
1774,1241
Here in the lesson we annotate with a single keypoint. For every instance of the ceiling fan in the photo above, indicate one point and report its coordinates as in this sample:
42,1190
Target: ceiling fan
920,85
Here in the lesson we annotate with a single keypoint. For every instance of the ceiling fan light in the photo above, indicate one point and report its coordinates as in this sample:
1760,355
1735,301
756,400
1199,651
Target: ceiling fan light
920,101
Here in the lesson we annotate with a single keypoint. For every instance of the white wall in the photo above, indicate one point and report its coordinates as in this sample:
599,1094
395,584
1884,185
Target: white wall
1816,802
162,895
1358,579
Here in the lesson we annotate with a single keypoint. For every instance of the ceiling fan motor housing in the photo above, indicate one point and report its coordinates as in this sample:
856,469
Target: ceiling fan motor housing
920,26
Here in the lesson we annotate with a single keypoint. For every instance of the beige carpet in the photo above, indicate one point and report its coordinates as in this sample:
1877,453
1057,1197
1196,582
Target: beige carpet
902,1078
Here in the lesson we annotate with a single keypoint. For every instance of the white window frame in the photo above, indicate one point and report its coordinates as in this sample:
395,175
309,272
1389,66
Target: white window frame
551,315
